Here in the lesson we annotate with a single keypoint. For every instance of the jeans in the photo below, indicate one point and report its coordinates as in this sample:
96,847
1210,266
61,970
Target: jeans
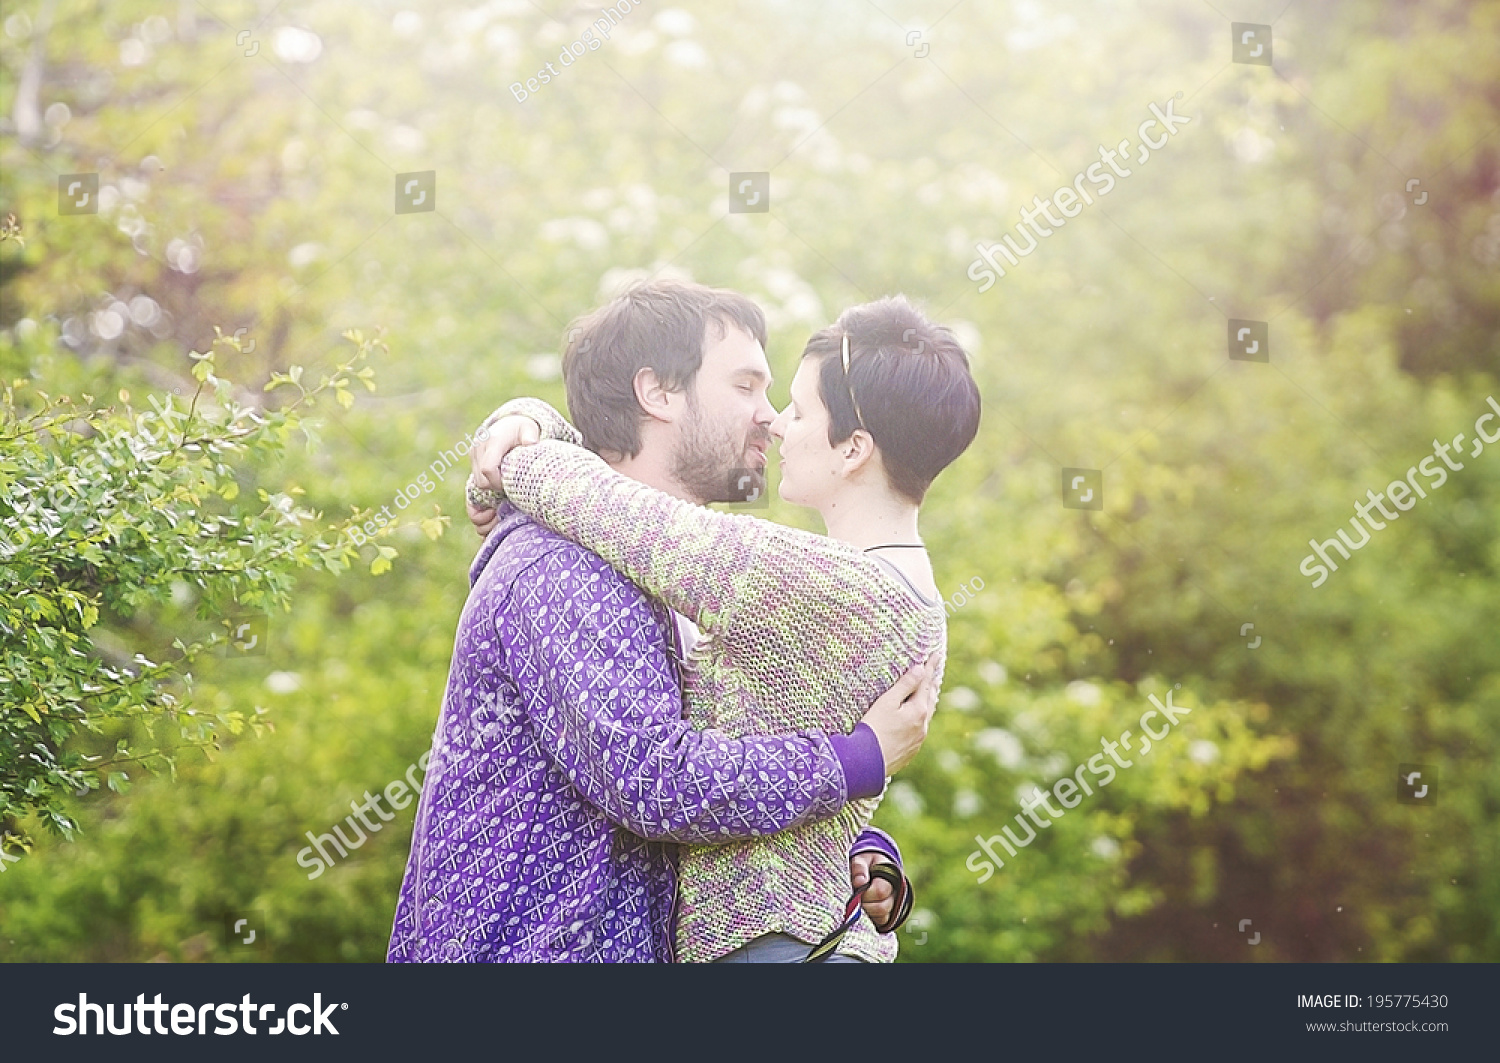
778,948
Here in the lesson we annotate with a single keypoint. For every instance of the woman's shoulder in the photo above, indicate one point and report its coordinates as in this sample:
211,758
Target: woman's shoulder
816,568
915,579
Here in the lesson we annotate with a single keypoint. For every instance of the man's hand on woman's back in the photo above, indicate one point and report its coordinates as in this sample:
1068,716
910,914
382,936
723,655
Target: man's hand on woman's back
900,716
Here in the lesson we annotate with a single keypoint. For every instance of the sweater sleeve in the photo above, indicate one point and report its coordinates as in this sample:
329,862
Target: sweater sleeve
695,559
875,840
553,425
719,569
603,704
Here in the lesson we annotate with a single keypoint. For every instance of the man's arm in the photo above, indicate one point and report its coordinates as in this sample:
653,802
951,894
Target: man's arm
603,701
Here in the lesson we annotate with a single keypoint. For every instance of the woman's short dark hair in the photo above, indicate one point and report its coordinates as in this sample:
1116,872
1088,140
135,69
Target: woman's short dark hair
660,325
911,383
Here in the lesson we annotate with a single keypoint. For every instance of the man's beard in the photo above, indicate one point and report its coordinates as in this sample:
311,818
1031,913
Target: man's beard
713,466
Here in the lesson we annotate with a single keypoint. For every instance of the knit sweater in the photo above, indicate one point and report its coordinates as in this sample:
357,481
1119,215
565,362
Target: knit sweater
800,632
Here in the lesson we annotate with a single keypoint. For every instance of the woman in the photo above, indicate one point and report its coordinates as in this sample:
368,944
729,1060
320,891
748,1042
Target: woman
798,630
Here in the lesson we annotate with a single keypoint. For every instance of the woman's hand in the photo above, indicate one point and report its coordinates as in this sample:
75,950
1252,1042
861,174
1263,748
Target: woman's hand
514,430
484,520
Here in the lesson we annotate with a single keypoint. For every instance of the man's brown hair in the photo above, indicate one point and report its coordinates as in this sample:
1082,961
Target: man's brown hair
658,324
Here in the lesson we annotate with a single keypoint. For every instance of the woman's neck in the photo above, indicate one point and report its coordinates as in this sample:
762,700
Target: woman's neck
864,519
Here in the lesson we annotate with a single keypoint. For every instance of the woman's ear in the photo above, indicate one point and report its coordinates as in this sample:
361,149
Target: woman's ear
857,451
656,400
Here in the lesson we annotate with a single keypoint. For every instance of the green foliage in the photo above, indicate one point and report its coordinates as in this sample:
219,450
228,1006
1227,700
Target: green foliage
107,512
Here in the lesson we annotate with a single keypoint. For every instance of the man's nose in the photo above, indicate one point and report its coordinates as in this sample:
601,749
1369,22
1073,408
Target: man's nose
777,423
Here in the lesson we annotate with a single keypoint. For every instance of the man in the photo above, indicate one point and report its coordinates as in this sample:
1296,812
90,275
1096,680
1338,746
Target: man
561,767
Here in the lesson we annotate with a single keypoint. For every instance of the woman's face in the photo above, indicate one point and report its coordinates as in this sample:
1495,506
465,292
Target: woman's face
810,467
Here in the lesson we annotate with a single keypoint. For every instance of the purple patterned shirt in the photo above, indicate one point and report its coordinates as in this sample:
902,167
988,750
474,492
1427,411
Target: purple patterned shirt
562,769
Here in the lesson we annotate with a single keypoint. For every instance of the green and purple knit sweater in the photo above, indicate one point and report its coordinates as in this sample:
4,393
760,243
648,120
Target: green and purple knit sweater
800,631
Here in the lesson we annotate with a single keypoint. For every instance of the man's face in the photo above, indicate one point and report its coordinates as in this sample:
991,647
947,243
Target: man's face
720,453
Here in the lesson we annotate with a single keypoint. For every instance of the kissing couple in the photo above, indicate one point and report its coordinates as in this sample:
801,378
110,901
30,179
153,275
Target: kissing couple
666,727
